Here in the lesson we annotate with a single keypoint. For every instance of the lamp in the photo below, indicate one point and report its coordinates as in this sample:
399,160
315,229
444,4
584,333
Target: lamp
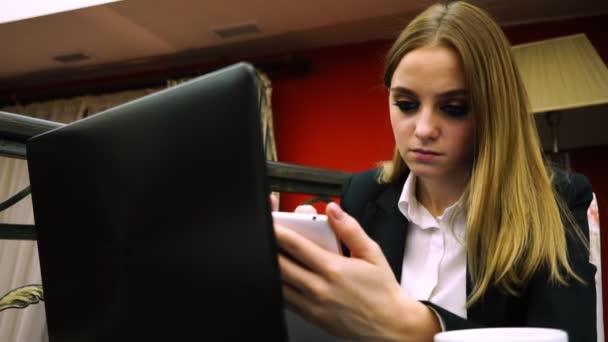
567,84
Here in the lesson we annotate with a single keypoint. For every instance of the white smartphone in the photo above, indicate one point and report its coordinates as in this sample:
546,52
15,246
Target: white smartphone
313,226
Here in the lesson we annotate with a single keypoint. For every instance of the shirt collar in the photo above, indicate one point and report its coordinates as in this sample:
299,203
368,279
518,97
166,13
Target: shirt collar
415,212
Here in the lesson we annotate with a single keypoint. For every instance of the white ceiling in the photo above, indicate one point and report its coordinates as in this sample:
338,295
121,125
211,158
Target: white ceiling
138,31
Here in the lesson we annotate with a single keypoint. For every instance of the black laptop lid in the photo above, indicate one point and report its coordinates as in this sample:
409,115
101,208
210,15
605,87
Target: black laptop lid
153,219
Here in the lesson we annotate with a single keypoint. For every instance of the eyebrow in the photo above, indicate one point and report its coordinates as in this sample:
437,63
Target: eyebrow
449,93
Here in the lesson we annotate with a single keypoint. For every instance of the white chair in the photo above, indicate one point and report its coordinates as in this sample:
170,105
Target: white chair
595,258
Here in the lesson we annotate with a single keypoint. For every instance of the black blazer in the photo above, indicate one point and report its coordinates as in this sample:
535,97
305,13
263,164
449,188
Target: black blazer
541,303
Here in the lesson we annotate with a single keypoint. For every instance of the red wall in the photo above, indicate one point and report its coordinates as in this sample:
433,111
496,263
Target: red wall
336,116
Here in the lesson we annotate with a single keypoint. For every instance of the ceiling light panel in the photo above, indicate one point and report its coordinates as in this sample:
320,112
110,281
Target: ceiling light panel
24,9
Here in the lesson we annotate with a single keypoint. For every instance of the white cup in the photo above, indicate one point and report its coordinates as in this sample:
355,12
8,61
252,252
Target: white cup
503,335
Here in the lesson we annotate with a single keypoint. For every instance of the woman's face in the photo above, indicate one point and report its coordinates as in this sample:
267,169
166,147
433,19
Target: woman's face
430,114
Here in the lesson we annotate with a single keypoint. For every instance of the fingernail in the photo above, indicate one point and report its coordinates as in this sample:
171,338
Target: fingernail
336,212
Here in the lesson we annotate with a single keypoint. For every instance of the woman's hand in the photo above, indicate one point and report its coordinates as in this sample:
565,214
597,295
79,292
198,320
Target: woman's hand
354,297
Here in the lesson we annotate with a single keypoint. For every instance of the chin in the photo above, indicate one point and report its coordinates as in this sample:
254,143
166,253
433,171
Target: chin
426,171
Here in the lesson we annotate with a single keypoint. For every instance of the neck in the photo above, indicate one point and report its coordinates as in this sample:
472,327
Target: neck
437,195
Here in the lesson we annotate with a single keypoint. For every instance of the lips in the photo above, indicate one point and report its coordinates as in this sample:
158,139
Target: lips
425,151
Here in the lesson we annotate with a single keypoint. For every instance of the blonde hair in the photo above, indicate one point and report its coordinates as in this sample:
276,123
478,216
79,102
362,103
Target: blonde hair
514,222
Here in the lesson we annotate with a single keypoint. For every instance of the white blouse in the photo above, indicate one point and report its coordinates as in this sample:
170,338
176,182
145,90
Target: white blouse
434,263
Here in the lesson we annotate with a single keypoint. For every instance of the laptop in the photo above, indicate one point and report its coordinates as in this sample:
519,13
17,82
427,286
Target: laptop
153,219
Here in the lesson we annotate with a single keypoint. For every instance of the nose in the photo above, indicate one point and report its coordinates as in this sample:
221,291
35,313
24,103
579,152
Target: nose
427,125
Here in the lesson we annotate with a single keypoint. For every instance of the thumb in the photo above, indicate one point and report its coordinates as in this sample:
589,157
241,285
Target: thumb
349,231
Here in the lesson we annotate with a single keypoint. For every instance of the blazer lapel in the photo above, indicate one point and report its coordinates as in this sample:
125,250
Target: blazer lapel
386,225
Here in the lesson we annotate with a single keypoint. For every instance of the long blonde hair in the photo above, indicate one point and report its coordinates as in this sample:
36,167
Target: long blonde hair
514,222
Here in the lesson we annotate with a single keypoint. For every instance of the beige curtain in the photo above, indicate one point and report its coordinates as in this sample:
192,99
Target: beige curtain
18,260
270,148
266,116
19,263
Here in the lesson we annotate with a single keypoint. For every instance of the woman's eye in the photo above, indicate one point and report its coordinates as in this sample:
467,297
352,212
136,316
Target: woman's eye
407,106
455,111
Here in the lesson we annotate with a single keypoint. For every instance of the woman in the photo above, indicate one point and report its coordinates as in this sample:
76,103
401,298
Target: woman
465,227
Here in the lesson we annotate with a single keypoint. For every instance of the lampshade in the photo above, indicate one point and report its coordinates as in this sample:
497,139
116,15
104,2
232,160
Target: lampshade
566,75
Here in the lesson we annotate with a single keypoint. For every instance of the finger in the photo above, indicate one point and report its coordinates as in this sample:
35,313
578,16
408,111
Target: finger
274,202
310,310
298,303
349,231
306,209
297,276
304,251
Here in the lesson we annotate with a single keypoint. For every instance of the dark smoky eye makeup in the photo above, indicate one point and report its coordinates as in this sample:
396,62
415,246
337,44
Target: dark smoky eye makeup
406,105
455,109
